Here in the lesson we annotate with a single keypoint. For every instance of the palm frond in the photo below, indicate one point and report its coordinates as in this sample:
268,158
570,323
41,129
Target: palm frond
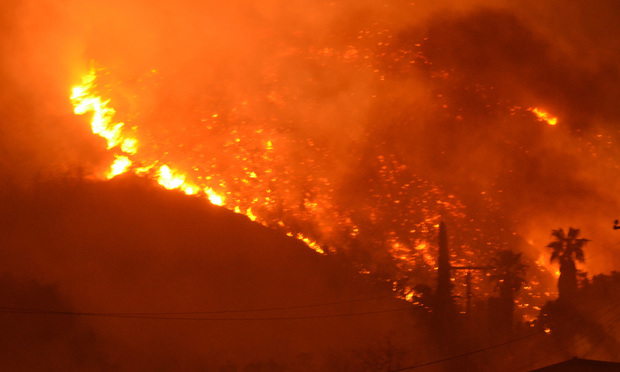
559,233
507,270
572,233
579,254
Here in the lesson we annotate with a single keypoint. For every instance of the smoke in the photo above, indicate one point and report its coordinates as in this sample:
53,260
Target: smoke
357,98
445,87
489,65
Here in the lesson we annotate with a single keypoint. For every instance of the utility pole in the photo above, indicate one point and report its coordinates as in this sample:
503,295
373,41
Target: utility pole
444,284
468,280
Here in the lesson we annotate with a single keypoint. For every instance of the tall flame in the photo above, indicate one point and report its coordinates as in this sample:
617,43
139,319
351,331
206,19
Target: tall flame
84,100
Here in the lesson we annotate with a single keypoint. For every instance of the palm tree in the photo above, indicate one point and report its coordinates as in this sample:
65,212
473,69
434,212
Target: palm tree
508,272
566,249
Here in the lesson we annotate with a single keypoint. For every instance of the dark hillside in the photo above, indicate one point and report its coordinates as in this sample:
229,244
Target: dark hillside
127,246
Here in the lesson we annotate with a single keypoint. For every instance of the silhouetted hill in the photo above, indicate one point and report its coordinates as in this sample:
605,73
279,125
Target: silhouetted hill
129,246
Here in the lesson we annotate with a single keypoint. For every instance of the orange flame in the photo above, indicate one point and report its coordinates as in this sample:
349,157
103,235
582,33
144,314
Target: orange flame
102,122
85,100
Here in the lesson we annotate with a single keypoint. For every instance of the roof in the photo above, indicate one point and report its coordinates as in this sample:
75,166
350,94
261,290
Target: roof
581,365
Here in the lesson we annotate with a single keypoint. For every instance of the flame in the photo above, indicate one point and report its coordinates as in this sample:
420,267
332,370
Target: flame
543,116
120,166
102,123
129,146
85,100
312,244
401,212
172,180
214,197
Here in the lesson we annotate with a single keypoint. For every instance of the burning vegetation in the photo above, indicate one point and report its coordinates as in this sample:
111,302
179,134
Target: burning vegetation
377,134
393,218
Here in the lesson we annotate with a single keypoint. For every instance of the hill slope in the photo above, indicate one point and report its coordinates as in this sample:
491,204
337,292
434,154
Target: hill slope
127,246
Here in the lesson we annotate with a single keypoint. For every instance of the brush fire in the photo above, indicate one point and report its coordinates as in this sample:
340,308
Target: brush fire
226,186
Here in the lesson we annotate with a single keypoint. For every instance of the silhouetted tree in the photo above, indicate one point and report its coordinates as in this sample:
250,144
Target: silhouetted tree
566,249
508,272
592,317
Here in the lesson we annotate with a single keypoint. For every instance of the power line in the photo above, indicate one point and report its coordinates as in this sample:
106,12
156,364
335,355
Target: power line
604,250
468,353
530,365
596,234
608,308
263,309
491,347
603,337
11,310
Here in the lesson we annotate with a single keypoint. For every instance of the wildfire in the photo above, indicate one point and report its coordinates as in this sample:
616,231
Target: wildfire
102,122
214,197
120,166
85,100
544,116
259,178
172,180
256,207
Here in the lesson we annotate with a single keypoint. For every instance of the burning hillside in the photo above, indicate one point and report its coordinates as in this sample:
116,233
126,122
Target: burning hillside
357,141
355,127
380,215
